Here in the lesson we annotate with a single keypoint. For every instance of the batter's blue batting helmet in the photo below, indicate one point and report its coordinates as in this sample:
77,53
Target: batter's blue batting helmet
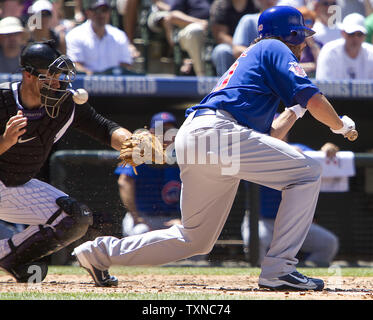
285,22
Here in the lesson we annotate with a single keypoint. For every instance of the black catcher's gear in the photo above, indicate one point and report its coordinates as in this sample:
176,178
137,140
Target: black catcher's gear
49,239
38,55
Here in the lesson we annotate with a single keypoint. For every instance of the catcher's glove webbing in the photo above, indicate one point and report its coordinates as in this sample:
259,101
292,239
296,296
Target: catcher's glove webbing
141,147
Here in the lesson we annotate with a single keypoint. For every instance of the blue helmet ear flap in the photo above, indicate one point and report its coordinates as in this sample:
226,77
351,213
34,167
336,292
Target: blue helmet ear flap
295,37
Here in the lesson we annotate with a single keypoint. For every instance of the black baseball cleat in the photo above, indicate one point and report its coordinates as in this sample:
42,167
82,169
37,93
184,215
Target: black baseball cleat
294,281
101,278
33,272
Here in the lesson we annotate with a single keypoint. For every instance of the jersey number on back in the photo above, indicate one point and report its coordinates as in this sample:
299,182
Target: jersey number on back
224,81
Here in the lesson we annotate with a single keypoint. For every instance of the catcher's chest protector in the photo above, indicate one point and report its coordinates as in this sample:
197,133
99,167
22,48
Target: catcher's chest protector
23,160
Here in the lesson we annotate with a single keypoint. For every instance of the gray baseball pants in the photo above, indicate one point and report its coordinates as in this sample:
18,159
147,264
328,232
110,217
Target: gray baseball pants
214,153
320,244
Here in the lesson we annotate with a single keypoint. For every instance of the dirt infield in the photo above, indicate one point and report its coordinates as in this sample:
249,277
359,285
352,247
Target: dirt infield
355,288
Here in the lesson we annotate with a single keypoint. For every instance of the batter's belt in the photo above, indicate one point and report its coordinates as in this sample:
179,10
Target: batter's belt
204,112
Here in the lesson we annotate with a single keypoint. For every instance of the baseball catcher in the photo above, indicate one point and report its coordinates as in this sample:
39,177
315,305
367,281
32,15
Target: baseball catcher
34,114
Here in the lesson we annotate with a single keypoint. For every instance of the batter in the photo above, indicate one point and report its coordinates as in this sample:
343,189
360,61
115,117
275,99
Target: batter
230,135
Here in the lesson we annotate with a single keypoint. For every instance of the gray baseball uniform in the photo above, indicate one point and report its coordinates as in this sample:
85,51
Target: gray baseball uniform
224,139
207,196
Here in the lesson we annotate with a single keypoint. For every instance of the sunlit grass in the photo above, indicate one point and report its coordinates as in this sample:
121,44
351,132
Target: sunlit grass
165,270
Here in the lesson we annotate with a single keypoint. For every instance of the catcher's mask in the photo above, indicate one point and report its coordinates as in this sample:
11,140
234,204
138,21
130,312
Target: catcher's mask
60,72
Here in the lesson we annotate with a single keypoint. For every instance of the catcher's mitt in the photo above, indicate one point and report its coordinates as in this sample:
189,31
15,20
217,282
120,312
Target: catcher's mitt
141,147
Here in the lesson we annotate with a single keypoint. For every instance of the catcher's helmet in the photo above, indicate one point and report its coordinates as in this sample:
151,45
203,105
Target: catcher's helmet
40,56
285,22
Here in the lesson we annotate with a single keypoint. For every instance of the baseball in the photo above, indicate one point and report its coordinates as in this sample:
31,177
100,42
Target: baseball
80,96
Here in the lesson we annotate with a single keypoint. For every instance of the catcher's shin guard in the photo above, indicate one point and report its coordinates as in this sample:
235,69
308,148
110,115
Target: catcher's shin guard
49,238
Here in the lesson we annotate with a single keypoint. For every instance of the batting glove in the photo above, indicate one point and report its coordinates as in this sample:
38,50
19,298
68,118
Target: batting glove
348,125
298,110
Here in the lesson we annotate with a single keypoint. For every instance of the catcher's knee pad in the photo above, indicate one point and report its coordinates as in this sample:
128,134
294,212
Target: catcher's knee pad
79,218
51,237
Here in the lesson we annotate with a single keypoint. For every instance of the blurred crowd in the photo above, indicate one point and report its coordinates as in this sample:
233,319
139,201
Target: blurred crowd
199,37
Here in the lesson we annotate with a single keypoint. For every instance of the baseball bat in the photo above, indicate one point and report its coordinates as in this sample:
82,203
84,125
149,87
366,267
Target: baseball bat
352,135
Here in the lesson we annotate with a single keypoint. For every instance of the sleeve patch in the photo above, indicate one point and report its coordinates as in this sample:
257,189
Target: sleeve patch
297,69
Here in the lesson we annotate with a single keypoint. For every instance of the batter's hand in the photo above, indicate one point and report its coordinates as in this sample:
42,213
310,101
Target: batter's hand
348,129
14,128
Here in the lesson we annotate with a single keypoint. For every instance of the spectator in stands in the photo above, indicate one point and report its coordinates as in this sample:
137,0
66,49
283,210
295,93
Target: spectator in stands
60,22
130,14
12,40
190,17
247,28
326,19
41,30
26,4
79,15
11,8
349,57
224,17
80,7
364,7
96,46
311,52
157,23
152,196
320,245
56,10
